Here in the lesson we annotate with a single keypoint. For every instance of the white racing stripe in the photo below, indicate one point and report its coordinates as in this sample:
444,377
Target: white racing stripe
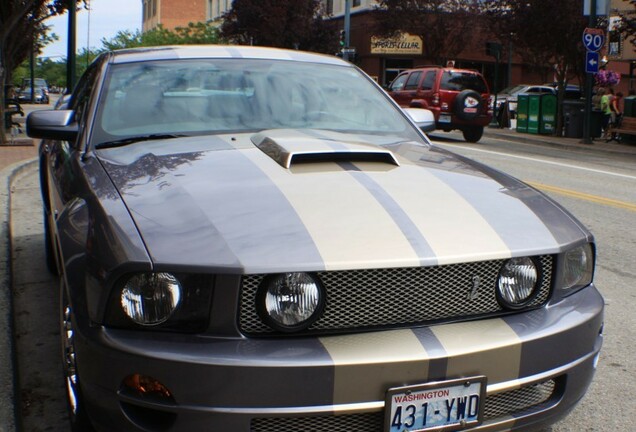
443,216
463,342
328,207
367,364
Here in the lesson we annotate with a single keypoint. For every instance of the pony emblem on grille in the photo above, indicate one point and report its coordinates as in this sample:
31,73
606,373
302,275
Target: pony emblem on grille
474,292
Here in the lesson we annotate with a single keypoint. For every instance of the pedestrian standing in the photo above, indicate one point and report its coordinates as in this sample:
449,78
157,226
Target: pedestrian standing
617,115
607,113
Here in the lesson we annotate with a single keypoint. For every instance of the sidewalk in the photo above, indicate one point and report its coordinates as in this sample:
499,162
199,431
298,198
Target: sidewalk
20,148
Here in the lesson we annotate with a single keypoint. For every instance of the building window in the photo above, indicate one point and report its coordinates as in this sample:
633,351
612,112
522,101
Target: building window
154,7
145,11
356,3
329,7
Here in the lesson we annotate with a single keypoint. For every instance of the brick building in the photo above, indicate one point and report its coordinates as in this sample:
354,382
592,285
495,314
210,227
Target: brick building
179,13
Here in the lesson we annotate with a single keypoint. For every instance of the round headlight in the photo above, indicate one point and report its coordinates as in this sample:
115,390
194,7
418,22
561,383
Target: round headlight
150,298
518,282
290,301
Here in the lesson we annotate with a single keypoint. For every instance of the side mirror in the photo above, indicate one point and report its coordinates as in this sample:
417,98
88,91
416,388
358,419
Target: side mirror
52,124
423,118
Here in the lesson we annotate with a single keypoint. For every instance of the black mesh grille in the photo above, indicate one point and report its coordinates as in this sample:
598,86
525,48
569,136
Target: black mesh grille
505,403
387,297
498,405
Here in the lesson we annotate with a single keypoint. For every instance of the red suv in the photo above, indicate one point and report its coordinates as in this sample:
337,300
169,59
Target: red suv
457,97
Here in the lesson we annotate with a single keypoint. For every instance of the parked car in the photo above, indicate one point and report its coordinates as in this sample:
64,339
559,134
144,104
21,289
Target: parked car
253,239
457,97
40,91
572,91
510,94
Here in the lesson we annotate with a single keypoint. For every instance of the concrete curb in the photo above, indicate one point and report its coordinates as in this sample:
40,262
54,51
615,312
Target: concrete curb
597,146
8,409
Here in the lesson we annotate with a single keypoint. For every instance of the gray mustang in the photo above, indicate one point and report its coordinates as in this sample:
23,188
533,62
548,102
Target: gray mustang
261,240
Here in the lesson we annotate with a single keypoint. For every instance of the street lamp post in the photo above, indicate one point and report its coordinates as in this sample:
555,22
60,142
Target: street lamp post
587,120
347,29
71,48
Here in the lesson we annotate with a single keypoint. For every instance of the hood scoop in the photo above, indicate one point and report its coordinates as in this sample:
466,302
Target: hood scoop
289,149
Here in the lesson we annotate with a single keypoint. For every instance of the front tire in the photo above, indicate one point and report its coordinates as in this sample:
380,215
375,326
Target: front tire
75,402
473,134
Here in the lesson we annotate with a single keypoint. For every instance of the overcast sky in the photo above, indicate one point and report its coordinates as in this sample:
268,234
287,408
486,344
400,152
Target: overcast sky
105,19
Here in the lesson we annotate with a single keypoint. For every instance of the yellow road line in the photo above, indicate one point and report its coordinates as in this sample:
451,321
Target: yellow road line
586,197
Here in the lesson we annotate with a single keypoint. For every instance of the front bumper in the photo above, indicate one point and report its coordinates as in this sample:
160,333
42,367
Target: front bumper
333,383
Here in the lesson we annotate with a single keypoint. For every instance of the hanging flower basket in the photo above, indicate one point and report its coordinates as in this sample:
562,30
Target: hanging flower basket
607,78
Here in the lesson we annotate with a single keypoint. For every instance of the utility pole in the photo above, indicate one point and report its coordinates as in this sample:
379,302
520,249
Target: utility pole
347,29
71,47
587,120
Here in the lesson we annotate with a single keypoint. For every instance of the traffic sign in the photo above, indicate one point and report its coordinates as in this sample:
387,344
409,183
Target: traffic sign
593,39
591,62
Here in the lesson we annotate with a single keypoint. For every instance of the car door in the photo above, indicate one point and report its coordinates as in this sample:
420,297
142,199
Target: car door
411,86
58,156
426,90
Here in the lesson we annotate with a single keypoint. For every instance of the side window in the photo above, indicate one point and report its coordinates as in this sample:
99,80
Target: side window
413,81
80,99
82,93
429,80
399,82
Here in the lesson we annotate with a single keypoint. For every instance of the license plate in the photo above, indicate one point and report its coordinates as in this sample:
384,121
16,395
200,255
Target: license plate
444,118
451,405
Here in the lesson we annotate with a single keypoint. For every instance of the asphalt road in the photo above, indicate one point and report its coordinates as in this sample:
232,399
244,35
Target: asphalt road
599,189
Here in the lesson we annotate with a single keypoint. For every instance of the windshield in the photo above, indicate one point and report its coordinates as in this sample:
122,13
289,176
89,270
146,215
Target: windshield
195,97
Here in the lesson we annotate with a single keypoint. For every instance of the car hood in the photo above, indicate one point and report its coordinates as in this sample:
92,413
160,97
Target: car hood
285,200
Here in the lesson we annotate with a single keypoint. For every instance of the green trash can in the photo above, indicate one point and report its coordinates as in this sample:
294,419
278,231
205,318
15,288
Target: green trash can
548,114
630,106
534,113
522,113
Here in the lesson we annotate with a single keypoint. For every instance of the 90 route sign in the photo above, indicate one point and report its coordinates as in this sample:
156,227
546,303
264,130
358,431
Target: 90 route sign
593,39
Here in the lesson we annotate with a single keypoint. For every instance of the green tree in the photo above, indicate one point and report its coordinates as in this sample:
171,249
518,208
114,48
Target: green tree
192,34
22,29
445,26
545,33
295,24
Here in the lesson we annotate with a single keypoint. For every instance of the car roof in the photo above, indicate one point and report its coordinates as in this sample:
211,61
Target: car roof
445,69
219,51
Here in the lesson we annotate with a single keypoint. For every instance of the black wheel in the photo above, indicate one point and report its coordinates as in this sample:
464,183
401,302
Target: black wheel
51,259
75,402
473,134
468,104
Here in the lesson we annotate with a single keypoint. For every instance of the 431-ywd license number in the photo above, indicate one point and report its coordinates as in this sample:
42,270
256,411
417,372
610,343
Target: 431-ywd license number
456,404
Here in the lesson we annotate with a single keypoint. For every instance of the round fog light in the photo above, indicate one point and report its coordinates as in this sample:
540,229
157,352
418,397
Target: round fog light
150,298
518,282
291,301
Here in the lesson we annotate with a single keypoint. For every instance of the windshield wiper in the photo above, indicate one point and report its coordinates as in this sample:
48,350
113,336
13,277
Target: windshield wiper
136,139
